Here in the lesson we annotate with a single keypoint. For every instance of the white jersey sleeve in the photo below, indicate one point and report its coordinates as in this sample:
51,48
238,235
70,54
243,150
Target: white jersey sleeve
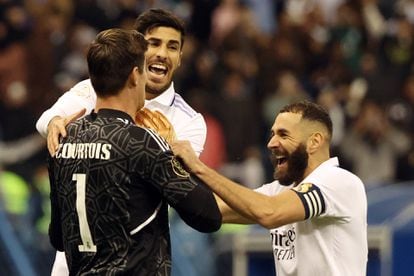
194,131
335,188
82,95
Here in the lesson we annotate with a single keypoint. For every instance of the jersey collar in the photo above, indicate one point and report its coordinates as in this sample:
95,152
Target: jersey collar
114,113
166,98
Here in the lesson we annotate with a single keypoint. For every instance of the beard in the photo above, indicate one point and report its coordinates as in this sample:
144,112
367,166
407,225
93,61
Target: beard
296,162
155,90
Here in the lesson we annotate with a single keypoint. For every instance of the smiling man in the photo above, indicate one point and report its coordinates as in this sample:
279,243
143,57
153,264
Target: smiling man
165,34
316,211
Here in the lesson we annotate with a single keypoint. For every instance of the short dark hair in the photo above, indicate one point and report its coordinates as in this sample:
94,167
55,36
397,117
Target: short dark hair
310,111
112,56
154,18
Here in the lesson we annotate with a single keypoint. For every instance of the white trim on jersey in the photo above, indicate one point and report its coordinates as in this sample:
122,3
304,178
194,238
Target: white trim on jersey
145,223
312,200
160,141
314,203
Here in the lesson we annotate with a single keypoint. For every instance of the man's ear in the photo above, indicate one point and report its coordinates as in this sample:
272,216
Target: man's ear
179,60
133,78
315,141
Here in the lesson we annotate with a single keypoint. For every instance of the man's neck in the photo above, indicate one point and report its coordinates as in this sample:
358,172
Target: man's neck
118,102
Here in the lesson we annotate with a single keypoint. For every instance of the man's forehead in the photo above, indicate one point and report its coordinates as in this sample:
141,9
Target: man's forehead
164,33
287,120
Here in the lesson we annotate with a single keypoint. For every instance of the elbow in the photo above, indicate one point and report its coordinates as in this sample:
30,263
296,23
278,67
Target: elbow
205,224
269,220
210,221
211,225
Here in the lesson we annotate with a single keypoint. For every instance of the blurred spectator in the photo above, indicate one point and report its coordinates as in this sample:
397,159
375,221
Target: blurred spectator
329,100
401,114
397,53
224,18
288,90
14,29
373,145
214,153
73,67
237,113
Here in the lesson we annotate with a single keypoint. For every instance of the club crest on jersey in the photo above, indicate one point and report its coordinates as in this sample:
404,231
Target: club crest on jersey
178,168
304,187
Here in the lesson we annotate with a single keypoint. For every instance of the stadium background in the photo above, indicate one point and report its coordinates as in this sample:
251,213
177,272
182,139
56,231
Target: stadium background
242,61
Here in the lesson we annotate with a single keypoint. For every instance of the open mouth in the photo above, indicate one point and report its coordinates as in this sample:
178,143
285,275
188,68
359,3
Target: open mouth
158,69
281,160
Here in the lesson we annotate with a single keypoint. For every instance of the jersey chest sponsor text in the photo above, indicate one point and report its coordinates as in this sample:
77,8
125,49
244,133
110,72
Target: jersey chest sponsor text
283,242
84,151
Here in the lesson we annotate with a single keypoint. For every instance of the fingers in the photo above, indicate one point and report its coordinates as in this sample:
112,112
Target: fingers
157,121
144,118
57,129
162,120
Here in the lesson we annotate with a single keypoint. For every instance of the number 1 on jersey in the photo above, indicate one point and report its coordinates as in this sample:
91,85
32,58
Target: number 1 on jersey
85,232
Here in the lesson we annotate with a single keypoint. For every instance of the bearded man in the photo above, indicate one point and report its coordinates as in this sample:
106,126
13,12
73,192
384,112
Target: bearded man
316,211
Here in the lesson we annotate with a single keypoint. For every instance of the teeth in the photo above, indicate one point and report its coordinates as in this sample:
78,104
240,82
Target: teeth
280,160
159,66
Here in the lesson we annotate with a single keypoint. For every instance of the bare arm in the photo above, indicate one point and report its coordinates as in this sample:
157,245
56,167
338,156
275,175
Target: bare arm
268,211
229,215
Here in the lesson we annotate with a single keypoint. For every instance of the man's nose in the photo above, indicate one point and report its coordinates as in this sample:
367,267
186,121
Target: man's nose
274,142
162,51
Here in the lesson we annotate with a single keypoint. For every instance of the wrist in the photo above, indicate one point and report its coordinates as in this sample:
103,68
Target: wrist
57,117
199,168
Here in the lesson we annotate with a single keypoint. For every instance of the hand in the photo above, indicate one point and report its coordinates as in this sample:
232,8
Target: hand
155,120
57,128
185,152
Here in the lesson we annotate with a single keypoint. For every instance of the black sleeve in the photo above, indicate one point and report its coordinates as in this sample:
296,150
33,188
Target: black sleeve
199,210
157,164
55,227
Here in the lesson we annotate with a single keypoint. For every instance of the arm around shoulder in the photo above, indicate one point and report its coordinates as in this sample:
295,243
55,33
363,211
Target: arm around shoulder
81,96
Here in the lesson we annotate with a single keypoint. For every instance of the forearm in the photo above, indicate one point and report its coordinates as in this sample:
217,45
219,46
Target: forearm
79,97
253,207
229,215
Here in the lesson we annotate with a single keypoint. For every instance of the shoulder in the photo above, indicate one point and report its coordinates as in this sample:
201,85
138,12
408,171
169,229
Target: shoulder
149,137
272,188
343,176
337,184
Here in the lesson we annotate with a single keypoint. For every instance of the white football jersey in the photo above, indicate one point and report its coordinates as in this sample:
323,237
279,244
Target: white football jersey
332,240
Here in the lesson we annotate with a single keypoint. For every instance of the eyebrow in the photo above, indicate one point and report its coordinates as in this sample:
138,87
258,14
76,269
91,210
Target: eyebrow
171,41
282,131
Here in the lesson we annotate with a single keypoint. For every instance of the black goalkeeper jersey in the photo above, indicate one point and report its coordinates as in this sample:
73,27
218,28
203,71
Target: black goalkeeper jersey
111,184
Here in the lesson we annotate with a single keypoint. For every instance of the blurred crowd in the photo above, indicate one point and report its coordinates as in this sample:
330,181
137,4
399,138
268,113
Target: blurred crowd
242,61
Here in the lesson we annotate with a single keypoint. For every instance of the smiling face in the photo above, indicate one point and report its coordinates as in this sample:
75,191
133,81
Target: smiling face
163,58
288,149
